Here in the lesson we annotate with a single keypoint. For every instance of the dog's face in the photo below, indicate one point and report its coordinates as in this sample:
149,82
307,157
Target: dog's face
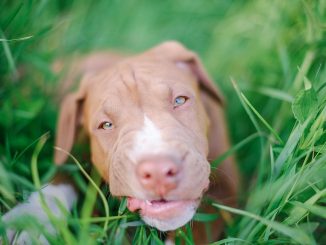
142,116
148,131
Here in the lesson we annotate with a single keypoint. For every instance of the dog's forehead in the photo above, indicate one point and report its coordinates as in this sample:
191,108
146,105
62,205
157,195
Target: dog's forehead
134,78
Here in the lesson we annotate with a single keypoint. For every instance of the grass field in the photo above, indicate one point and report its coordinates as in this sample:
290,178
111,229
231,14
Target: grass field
268,58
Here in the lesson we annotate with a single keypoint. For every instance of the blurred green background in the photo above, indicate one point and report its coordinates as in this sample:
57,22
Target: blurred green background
268,47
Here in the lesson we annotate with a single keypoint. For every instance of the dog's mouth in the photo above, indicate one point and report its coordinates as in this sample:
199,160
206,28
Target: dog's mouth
160,209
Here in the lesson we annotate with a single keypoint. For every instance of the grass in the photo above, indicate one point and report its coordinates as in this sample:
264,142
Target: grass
275,53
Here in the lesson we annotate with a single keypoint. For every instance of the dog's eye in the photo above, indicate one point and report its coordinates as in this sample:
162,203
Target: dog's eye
106,125
180,100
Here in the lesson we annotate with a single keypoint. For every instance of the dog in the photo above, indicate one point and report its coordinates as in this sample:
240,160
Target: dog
154,121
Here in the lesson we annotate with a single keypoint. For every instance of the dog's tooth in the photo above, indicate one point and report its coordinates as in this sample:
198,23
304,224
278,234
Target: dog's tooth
148,202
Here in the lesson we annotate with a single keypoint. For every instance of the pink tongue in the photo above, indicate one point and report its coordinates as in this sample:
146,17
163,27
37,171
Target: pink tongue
134,204
158,209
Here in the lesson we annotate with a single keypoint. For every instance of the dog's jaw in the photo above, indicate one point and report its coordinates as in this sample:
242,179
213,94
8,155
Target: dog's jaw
173,223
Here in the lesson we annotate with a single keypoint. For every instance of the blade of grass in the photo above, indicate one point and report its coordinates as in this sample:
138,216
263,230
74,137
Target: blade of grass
261,170
12,16
289,147
297,235
315,209
275,93
233,149
17,157
231,240
134,223
262,119
102,219
248,111
189,233
6,188
181,234
15,39
298,212
105,204
10,59
272,160
38,148
88,206
122,206
156,239
268,231
36,179
303,70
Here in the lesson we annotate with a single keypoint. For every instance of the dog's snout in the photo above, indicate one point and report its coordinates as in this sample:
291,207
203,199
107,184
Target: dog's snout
158,175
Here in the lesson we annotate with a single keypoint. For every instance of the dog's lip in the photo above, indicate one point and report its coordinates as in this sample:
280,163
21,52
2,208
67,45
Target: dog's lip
160,209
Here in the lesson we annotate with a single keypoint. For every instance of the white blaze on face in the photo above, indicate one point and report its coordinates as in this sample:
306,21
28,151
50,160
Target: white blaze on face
147,141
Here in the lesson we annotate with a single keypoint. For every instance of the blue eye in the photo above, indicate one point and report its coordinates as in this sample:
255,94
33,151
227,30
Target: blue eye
106,125
180,100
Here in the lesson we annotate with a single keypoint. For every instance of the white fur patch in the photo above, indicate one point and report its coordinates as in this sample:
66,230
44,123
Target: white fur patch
173,223
64,194
147,141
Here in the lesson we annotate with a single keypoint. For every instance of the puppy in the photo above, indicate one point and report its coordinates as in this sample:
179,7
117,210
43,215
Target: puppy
154,123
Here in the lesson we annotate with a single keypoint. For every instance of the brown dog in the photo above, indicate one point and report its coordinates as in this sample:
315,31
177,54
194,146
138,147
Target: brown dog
154,122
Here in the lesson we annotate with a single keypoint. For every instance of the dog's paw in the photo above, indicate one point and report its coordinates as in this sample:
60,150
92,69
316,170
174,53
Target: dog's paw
24,221
25,237
38,223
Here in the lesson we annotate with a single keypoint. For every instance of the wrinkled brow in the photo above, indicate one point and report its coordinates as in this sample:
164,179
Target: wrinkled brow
160,89
112,104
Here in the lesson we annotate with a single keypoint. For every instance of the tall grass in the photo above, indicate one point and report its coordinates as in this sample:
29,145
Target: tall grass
268,57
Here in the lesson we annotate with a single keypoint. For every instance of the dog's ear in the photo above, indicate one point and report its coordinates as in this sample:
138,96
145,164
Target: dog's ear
227,174
68,122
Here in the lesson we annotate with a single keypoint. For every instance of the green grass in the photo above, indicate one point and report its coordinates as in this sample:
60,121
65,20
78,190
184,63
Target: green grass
273,51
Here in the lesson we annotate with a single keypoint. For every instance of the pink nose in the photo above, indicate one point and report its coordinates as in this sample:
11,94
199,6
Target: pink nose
159,176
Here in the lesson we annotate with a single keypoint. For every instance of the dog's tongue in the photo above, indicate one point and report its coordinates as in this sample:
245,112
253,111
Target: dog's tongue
134,204
156,209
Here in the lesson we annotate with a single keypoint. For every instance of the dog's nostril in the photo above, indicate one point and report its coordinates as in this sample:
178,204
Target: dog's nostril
158,175
171,173
147,176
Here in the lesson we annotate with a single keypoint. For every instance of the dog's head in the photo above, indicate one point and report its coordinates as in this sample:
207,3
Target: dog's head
149,123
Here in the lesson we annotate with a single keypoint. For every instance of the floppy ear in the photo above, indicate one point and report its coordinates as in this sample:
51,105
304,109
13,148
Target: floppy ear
225,178
69,120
